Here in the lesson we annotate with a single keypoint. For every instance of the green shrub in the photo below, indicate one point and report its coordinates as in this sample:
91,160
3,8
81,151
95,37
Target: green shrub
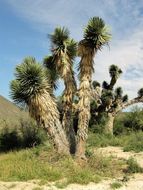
119,128
134,120
97,124
133,166
28,134
9,139
31,134
103,140
134,142
116,185
48,165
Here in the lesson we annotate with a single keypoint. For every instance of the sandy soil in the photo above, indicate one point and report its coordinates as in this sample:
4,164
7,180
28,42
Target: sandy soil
135,182
118,152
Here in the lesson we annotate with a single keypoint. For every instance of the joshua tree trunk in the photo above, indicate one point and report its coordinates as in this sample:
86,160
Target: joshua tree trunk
110,123
44,110
111,116
67,123
64,68
67,120
86,69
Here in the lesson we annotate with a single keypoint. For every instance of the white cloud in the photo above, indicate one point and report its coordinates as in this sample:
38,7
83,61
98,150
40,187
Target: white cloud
121,14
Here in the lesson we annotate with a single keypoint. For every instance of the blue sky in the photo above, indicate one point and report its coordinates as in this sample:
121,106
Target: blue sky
26,23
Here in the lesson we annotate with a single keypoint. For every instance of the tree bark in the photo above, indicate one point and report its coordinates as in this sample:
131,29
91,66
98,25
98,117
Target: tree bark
44,110
86,70
67,123
65,70
131,102
57,135
82,133
67,120
110,123
111,116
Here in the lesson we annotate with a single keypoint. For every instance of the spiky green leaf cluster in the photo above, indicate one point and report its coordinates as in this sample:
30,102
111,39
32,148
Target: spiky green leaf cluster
106,97
71,48
125,98
114,71
61,42
105,85
59,36
96,33
140,92
118,92
115,105
30,80
95,84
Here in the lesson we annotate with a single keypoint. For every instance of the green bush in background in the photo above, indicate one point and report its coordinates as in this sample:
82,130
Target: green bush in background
27,134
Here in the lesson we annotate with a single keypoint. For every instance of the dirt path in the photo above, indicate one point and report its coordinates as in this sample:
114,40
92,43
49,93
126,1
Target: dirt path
135,182
118,152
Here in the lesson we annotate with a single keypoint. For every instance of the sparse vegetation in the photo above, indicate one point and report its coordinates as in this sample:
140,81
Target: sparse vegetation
49,166
133,166
116,185
12,186
129,142
37,188
27,134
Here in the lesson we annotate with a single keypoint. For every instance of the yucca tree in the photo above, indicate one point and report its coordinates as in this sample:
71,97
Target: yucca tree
96,35
117,100
115,72
111,100
31,87
64,52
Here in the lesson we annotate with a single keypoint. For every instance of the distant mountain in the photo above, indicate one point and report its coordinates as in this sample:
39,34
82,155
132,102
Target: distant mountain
10,113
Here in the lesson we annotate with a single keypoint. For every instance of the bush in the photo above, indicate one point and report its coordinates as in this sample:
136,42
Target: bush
119,127
97,124
130,142
134,142
133,166
31,134
115,185
28,134
134,120
9,139
103,140
129,122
